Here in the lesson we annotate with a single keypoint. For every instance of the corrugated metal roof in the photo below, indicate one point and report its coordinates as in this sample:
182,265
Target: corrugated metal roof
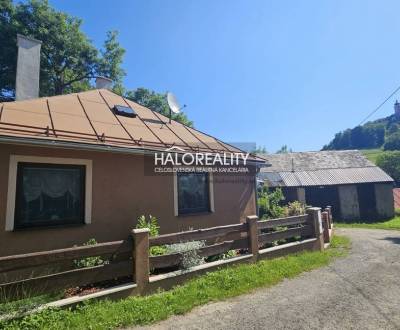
315,160
326,177
87,117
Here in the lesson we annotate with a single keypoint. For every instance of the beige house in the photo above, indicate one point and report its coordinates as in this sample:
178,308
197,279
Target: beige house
81,166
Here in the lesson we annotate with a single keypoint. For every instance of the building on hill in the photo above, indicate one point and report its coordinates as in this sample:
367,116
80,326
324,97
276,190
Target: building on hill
80,166
354,187
397,109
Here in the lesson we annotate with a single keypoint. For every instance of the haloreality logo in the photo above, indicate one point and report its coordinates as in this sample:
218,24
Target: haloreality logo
176,159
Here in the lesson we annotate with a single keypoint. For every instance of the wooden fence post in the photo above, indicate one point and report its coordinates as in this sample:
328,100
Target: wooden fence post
141,258
325,226
329,210
314,214
253,235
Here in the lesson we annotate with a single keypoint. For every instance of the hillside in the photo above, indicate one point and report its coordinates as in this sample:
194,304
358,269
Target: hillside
372,154
381,133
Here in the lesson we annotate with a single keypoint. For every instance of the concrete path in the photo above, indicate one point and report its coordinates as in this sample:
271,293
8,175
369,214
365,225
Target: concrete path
361,291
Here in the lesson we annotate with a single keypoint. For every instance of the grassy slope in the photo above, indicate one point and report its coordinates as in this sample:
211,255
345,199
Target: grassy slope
372,154
214,286
393,224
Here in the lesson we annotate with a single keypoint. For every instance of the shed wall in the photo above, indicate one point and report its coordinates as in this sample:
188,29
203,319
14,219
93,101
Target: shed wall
384,200
349,207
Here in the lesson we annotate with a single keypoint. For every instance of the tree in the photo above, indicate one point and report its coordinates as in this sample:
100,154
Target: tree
260,150
156,102
7,50
389,161
284,150
69,60
392,142
371,135
112,58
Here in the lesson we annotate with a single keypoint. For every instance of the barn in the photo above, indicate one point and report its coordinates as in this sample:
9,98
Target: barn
354,187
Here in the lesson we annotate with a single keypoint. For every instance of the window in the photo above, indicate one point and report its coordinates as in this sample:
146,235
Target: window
48,192
124,111
49,195
193,190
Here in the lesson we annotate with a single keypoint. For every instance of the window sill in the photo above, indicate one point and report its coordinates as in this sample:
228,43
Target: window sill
185,215
46,227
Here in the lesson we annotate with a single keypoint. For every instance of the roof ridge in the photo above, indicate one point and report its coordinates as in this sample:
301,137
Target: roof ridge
321,169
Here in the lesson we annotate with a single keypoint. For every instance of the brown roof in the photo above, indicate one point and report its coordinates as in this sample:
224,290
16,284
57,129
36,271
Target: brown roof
87,118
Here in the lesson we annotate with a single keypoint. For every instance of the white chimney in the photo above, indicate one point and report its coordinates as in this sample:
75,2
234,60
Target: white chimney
28,68
103,82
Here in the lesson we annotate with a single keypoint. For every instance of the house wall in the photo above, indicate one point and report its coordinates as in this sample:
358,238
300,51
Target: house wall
121,192
384,200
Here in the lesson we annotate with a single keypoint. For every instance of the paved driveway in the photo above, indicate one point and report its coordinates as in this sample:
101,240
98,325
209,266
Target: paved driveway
361,291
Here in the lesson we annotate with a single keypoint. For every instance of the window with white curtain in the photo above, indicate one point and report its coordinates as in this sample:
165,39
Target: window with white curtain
49,195
193,193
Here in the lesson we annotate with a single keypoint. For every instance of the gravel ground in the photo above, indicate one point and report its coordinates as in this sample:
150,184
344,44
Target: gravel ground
361,291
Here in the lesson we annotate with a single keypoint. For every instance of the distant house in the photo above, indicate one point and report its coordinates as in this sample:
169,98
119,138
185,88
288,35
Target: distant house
396,195
345,180
81,166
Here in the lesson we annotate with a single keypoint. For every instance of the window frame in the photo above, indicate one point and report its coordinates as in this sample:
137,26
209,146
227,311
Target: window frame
15,160
210,183
48,223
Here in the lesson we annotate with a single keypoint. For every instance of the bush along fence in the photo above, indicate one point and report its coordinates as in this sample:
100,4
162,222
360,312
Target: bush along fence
128,267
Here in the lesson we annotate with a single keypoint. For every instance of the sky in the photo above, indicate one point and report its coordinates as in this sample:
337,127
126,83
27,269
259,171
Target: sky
267,72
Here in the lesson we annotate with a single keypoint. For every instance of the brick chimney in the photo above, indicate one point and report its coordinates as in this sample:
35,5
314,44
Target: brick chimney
28,68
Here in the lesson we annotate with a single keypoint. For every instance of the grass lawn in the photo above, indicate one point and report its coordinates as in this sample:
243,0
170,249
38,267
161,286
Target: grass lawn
372,154
213,286
393,224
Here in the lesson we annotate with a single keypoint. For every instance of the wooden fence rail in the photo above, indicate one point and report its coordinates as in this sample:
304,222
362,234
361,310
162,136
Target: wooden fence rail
109,249
41,272
294,220
199,234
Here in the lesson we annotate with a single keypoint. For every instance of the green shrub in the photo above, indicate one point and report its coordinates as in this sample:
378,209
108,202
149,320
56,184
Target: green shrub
269,203
389,161
392,142
295,208
89,261
152,225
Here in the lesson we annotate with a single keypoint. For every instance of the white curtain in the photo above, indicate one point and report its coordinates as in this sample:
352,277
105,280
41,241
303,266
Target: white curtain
50,181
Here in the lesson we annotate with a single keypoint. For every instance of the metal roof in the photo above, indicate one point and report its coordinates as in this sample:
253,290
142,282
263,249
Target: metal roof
88,118
325,177
320,168
315,160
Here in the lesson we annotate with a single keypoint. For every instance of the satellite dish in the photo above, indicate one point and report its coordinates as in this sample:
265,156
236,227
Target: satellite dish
173,103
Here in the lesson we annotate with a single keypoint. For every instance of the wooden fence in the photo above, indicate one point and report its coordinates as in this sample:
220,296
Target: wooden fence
52,271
